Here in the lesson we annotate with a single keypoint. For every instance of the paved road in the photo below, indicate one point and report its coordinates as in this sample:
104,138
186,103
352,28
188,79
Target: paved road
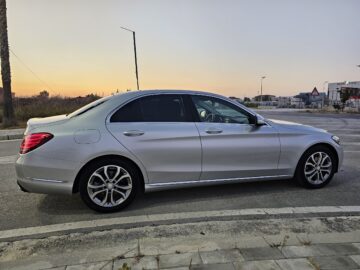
18,209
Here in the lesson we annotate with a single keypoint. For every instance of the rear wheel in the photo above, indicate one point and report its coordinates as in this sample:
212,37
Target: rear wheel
316,167
109,185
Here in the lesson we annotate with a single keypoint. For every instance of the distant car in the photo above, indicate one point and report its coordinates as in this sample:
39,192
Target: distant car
118,146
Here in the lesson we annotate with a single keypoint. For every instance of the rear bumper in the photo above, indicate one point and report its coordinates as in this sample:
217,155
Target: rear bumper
46,186
37,174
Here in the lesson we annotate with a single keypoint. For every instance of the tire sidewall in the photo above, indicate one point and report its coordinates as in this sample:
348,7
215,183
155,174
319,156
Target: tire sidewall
300,174
92,167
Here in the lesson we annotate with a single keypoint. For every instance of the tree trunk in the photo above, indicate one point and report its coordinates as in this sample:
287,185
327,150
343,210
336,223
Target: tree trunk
8,110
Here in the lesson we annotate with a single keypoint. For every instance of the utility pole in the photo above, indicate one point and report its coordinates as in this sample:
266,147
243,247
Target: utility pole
358,99
136,65
8,110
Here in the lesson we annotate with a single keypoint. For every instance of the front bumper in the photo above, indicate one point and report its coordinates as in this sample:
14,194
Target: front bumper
340,153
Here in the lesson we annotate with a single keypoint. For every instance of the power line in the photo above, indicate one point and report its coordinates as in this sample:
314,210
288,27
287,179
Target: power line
32,72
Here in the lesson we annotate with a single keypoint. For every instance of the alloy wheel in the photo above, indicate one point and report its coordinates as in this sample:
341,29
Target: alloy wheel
318,168
109,186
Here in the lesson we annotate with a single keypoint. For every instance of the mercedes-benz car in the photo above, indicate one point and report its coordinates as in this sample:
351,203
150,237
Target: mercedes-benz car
118,146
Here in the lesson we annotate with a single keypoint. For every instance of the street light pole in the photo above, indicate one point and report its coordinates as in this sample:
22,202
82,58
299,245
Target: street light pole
262,78
324,85
322,100
358,99
136,65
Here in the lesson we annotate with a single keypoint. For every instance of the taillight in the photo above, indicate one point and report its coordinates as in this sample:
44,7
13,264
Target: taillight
33,141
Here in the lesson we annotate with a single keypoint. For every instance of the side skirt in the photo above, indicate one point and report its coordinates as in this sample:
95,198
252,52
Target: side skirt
186,184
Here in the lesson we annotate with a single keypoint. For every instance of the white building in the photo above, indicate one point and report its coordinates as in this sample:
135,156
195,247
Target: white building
297,102
334,88
353,102
284,102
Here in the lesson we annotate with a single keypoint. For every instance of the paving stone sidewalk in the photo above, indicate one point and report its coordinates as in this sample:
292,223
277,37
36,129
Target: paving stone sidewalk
340,256
275,252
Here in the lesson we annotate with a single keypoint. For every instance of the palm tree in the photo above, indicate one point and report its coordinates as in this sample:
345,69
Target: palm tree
8,110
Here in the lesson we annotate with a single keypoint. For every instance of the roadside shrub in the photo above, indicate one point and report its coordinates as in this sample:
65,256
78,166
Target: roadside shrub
40,106
251,105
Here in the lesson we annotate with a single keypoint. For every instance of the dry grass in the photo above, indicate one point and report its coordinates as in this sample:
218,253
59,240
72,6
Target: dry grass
37,106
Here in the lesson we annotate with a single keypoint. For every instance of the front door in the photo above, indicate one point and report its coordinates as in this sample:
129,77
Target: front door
232,146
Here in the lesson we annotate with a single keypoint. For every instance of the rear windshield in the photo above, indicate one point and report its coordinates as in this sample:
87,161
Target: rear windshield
88,107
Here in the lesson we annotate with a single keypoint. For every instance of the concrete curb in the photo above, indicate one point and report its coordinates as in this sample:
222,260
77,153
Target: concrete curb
11,137
177,218
11,134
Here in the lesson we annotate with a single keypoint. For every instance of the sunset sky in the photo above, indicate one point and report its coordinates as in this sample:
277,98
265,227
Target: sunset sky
77,47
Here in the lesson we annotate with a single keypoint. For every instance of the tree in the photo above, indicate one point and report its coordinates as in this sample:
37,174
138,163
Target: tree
44,94
8,110
344,95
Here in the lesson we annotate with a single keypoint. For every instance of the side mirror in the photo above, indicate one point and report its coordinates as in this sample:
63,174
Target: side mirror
260,122
257,121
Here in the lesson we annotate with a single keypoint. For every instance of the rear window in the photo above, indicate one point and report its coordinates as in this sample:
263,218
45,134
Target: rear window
158,108
88,107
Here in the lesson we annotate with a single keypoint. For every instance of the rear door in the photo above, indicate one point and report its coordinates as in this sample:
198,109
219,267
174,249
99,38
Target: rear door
160,132
232,146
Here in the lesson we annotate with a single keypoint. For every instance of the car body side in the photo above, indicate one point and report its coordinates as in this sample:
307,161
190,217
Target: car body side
81,139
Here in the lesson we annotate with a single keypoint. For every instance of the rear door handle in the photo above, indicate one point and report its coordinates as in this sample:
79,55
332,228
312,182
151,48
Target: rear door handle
133,133
213,131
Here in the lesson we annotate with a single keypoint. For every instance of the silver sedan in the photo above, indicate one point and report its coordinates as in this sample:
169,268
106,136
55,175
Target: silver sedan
116,147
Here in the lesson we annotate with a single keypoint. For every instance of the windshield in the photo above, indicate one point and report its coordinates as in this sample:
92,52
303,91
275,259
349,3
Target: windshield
88,107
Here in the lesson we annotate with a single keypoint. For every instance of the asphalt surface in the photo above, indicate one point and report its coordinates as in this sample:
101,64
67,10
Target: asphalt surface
19,209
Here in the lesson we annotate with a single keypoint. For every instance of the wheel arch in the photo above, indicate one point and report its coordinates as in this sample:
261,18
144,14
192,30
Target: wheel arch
324,144
75,188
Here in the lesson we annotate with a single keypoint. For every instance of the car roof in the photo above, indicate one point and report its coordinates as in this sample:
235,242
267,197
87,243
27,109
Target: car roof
138,93
115,101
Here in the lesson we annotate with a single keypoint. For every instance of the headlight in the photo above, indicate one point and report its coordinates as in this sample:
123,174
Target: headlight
336,139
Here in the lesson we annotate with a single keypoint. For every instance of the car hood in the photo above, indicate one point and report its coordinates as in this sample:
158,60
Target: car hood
45,121
295,126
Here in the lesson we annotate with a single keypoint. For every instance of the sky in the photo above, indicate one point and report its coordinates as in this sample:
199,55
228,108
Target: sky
76,47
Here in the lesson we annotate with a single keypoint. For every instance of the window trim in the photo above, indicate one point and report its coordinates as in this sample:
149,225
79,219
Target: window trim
191,108
187,99
188,114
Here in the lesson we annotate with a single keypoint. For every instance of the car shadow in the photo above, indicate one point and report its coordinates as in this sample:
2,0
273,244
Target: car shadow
213,193
243,195
72,205
54,204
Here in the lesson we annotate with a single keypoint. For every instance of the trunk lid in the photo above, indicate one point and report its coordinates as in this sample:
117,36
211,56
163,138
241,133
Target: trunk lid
45,121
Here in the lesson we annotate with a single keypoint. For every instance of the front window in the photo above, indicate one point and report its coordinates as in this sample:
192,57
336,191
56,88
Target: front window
214,110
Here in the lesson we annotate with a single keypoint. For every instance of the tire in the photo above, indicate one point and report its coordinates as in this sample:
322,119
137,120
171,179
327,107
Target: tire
101,188
321,173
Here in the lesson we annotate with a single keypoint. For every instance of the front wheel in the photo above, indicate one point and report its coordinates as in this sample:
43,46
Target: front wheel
316,167
109,185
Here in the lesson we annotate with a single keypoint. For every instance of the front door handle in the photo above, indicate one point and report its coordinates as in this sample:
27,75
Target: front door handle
213,131
133,133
